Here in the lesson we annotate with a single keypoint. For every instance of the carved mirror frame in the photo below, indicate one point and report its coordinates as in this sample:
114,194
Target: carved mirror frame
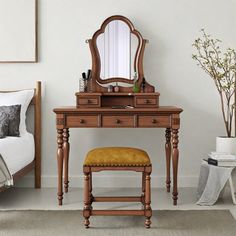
98,83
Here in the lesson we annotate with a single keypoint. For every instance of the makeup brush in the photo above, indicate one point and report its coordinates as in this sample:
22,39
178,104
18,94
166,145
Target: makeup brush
89,74
84,75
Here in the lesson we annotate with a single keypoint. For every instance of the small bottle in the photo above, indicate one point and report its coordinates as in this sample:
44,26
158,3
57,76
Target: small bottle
135,86
110,88
116,88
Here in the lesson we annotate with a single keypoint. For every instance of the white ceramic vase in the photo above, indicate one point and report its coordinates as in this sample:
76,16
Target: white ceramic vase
226,144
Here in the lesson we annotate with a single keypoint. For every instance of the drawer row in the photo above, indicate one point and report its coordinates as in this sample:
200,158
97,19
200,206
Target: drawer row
117,121
109,101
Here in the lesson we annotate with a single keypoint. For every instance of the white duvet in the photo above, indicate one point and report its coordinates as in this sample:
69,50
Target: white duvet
17,152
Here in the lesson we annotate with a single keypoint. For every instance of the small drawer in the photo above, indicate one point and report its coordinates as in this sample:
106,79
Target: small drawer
153,121
82,121
142,101
118,121
88,101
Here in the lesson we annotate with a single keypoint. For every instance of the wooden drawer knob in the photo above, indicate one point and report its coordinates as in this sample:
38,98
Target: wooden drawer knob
154,121
147,101
88,101
118,121
81,121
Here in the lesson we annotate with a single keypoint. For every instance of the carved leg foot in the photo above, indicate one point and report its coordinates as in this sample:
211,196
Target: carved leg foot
86,222
148,222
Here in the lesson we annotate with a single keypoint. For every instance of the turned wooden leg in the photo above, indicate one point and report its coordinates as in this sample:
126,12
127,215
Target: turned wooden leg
60,165
90,189
66,150
168,158
143,188
87,208
175,158
148,210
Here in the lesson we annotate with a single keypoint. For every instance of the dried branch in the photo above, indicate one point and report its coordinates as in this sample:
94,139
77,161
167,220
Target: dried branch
221,67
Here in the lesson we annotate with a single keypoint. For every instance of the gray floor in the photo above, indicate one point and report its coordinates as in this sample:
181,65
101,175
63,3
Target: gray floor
45,199
164,223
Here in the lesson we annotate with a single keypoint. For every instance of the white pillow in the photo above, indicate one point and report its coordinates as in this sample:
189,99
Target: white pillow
22,98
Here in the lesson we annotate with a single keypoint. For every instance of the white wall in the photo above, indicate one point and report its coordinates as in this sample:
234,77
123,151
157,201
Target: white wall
171,27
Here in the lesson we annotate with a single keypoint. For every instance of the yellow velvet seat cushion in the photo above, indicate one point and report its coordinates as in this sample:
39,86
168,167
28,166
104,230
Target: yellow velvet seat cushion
117,156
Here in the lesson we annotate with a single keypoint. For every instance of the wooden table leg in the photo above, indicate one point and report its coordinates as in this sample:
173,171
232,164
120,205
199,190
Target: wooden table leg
60,164
66,150
168,158
175,158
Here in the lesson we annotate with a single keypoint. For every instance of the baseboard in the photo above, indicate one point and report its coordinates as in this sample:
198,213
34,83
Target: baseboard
109,181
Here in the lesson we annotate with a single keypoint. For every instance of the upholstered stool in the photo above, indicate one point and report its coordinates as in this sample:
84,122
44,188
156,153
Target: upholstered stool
117,159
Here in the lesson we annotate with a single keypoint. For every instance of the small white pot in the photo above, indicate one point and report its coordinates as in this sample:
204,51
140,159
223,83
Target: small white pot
226,144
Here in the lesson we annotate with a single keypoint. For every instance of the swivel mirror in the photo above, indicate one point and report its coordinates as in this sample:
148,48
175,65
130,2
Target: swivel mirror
117,50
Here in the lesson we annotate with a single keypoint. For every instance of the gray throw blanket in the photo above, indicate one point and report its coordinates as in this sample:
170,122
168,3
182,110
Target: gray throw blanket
6,179
212,180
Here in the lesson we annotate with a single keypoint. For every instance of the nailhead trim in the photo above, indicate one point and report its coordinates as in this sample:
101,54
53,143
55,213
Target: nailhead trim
118,165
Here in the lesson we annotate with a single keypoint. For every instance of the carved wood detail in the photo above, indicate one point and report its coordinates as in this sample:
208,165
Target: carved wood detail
60,121
176,121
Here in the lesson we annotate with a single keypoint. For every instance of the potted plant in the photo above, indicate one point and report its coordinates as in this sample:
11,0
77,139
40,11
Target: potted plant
221,67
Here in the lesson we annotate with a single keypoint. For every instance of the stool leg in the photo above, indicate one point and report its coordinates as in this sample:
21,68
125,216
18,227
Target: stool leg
90,190
148,210
87,208
143,188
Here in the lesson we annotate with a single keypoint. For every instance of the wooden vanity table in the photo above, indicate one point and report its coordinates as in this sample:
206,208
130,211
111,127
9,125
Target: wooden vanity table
124,109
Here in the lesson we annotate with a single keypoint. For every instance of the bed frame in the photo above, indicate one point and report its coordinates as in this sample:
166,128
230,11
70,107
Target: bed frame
36,163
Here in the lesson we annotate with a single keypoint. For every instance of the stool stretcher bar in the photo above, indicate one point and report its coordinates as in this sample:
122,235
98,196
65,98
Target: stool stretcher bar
117,212
117,199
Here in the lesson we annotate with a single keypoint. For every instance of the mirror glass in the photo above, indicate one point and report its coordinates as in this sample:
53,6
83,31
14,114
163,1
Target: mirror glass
117,48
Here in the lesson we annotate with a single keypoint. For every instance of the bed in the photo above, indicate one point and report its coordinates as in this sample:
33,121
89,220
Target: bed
26,154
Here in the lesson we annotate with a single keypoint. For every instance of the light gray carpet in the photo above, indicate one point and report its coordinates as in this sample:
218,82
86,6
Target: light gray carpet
164,223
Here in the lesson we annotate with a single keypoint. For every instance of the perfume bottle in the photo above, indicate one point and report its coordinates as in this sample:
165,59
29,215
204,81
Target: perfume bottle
109,88
116,88
135,86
